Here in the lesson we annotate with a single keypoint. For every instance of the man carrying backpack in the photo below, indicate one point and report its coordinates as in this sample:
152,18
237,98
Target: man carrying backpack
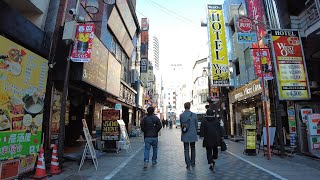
189,127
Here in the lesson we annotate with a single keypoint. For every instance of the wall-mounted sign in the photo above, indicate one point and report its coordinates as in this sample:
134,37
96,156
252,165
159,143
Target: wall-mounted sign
265,61
251,89
218,46
23,78
81,51
247,37
292,78
95,71
244,24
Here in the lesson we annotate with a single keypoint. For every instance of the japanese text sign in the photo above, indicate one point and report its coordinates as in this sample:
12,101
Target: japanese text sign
262,55
82,47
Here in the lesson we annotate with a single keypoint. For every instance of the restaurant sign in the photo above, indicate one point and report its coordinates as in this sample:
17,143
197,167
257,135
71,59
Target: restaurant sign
23,78
290,65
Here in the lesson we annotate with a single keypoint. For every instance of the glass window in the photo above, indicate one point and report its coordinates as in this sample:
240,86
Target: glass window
118,52
248,59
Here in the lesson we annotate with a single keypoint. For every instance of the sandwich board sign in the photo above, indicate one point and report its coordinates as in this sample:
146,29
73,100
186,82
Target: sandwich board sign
89,146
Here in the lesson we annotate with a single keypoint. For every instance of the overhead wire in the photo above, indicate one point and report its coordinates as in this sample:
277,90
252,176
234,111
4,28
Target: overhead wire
172,13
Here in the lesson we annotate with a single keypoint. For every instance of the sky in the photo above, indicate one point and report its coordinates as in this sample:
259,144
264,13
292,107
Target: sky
177,25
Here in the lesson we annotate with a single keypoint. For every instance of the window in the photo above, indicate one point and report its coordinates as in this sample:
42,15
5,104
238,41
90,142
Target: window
248,59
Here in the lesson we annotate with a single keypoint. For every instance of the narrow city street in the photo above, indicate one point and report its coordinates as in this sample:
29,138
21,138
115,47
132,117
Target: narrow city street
231,164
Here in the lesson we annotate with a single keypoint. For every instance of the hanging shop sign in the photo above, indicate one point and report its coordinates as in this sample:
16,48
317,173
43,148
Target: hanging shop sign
313,126
218,46
264,56
110,126
256,11
244,24
144,65
82,47
290,65
23,78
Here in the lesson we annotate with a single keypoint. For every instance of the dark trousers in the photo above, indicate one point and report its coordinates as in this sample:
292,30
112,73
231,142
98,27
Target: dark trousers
212,153
187,159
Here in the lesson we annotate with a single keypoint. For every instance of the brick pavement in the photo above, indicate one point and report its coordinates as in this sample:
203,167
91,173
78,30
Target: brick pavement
171,164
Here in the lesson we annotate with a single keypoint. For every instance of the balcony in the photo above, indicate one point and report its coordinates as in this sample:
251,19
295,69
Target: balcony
308,20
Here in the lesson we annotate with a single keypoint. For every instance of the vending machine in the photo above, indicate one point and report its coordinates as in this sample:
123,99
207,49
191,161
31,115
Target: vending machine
313,127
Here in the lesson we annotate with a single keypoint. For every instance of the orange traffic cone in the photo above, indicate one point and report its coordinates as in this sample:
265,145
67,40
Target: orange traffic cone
41,167
54,169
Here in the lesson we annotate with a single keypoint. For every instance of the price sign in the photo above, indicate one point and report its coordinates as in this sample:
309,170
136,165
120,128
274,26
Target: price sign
290,66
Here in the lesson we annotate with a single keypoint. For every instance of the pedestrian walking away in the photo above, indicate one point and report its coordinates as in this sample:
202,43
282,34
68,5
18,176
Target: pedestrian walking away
189,126
150,125
210,130
163,123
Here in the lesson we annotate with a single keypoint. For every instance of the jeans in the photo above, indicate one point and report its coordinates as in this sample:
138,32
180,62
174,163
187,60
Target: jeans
212,153
187,159
150,141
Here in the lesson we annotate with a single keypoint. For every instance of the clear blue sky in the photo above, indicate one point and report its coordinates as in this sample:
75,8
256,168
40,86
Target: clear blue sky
176,23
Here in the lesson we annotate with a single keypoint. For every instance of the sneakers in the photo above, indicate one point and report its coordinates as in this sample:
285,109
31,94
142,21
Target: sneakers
145,165
154,163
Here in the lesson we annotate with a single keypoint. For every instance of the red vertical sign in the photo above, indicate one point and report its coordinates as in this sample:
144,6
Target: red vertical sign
265,61
82,47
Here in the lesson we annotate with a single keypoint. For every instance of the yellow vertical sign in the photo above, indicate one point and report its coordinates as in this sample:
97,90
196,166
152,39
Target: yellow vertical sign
218,46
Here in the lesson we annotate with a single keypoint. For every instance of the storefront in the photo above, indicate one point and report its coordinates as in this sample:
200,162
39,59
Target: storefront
246,108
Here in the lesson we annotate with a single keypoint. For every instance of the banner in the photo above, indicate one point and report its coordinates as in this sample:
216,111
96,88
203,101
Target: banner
265,61
81,51
23,78
218,46
255,10
290,66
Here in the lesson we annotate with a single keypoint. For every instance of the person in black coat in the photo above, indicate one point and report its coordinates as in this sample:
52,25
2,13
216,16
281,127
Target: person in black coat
150,125
211,132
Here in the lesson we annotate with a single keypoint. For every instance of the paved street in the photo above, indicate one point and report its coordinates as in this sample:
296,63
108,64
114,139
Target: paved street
231,164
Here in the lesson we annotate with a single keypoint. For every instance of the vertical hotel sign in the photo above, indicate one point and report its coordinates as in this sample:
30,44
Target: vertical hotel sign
218,46
290,66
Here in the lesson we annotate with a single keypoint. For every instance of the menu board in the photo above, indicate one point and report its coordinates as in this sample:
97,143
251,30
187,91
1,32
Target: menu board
9,169
95,71
110,126
313,126
290,66
23,78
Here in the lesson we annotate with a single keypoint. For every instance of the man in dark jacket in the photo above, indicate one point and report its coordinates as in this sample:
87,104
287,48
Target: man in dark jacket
211,131
150,125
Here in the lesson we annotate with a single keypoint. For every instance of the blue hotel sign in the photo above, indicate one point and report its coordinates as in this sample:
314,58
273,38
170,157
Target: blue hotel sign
247,37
